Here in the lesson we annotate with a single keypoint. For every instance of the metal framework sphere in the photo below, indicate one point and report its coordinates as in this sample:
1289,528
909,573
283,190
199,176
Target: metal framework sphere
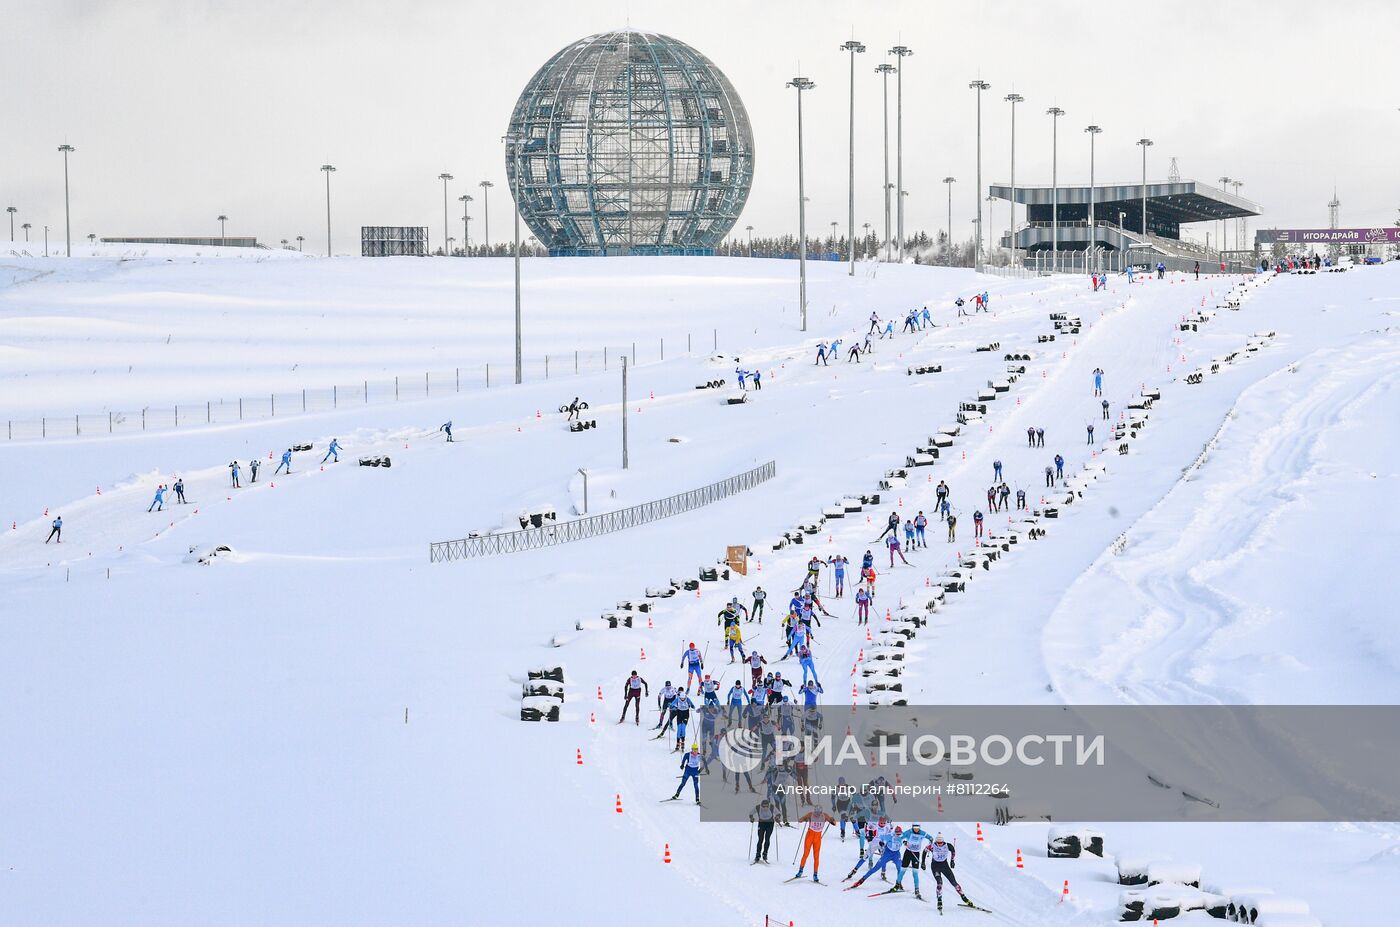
629,143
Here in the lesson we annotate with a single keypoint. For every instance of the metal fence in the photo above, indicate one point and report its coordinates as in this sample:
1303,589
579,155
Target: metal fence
1040,263
424,385
509,542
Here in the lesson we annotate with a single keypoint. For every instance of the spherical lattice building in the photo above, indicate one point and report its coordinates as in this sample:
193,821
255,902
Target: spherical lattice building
629,143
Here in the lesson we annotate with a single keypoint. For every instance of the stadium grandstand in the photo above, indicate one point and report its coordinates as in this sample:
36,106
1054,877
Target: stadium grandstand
1118,219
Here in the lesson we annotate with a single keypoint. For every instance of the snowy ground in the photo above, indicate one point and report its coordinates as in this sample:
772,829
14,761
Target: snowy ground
212,744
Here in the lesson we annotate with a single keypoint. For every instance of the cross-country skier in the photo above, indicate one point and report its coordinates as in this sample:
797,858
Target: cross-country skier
862,606
908,534
633,688
690,770
1030,436
888,842
952,527
920,523
925,319
1098,381
977,523
759,596
996,471
838,568
693,662
253,470
734,640
56,531
943,856
811,688
804,658
854,353
286,462
1039,437
821,354
664,698
764,814
741,374
680,710
941,492
757,377
179,488
892,542
158,503
891,525
572,409
735,701
233,471
447,427
916,842
1020,500
1049,475
889,331
874,321
333,451
756,664
1090,428
709,692
817,822
1105,409
1059,467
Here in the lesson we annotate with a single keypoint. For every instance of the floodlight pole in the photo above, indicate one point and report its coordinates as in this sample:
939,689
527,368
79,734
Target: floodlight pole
465,199
884,70
223,239
950,181
1146,143
979,86
901,52
855,48
67,218
1013,99
1093,131
328,169
12,210
486,186
801,83
1054,113
444,177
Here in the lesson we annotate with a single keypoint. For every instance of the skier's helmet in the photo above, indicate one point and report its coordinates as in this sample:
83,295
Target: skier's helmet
634,672
668,682
898,830
939,838
915,827
707,675
884,820
692,645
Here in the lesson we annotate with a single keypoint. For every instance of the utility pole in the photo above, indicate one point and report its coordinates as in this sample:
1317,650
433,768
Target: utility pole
624,411
979,86
1054,113
223,239
901,52
855,48
1224,182
12,210
885,70
328,169
801,83
950,181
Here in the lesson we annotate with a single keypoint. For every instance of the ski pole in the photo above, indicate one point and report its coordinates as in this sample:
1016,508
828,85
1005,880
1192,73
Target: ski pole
750,836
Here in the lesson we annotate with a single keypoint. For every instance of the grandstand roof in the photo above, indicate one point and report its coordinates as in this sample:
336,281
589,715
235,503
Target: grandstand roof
1181,202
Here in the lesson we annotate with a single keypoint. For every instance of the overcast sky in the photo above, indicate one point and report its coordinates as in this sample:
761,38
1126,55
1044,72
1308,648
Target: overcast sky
184,109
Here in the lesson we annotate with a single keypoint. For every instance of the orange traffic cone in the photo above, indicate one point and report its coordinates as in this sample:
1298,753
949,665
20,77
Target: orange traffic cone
1064,895
619,804
579,752
1020,864
600,693
644,653
940,804
979,833
666,858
